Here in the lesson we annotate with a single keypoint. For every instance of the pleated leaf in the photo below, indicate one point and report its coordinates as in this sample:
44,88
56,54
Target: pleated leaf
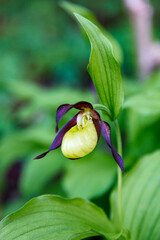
104,69
51,217
83,11
141,199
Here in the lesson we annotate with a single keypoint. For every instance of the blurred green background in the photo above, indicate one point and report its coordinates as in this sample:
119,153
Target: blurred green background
43,64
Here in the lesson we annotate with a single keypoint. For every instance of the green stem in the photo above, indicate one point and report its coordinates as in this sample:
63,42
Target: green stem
119,172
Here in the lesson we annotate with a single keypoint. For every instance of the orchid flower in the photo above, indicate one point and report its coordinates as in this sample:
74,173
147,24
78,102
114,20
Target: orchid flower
80,135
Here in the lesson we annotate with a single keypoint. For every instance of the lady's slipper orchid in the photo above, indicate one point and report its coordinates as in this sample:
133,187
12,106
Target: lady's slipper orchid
80,135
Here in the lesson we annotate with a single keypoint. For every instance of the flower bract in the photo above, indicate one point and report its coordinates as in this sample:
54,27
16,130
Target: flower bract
80,135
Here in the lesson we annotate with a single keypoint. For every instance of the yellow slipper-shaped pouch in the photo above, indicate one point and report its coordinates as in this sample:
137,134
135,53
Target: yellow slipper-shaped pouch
79,141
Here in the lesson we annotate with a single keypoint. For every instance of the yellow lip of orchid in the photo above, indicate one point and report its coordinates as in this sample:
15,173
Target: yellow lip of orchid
81,139
80,135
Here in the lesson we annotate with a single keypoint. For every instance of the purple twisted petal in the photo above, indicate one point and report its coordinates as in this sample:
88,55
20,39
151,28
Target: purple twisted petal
58,139
98,127
61,110
106,130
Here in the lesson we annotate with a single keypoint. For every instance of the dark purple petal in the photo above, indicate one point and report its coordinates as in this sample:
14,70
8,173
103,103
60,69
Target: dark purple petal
107,136
61,110
66,107
98,127
41,155
58,139
95,114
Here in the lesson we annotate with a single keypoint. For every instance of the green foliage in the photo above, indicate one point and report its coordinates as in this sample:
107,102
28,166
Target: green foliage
143,98
140,201
39,50
74,8
41,104
142,116
45,168
104,69
46,100
13,206
142,137
19,144
30,91
42,67
53,217
144,110
145,103
98,171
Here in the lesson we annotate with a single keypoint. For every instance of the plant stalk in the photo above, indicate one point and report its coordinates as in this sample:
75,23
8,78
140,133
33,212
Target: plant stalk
119,173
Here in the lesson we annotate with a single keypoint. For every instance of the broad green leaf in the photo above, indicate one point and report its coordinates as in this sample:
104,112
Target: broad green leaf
74,8
44,100
143,135
24,90
91,176
104,69
145,103
41,172
132,88
137,123
153,81
143,110
51,217
20,144
12,148
50,100
140,199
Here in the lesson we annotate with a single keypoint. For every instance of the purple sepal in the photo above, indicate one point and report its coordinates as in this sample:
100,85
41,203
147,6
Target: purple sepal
58,139
61,110
95,114
97,126
41,155
66,107
107,136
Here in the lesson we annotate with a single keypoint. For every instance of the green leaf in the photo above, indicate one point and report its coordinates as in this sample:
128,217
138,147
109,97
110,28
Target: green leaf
52,217
141,123
41,100
153,81
81,10
20,144
143,110
145,103
91,176
140,199
45,168
104,69
143,137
